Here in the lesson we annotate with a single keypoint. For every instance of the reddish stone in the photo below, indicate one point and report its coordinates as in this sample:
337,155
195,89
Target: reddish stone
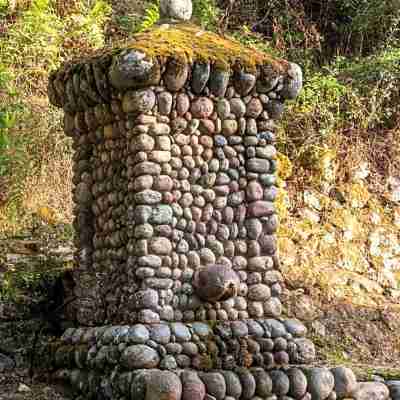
163,183
261,209
254,191
202,108
193,387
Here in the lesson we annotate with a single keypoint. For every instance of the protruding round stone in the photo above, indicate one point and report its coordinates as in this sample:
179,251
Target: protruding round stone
176,9
216,282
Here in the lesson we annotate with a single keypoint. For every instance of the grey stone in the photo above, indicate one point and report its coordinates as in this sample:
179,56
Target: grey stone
255,329
223,108
248,383
280,383
298,383
160,333
233,385
295,327
244,83
304,353
259,292
83,195
137,334
140,356
148,317
275,327
215,384
147,298
182,104
371,391
201,74
110,334
218,82
164,100
263,382
320,383
345,382
181,332
293,84
161,214
148,197
150,261
275,109
272,307
201,329
259,165
138,101
168,362
176,73
131,69
394,388
239,329
238,108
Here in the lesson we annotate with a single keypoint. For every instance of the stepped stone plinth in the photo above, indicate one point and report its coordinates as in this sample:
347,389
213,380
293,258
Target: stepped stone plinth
177,279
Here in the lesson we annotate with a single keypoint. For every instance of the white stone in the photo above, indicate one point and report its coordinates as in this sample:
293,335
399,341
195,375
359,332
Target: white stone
176,9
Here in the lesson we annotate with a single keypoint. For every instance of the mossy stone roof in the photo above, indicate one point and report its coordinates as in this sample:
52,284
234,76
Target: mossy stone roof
190,43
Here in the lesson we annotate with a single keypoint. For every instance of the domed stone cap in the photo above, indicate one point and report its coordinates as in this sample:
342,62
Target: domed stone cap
176,55
216,283
176,9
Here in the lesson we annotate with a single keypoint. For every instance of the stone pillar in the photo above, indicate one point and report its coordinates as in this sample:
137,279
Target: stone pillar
177,274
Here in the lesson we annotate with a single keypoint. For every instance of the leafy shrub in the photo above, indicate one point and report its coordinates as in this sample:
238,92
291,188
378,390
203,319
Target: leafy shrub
151,16
84,29
206,12
324,29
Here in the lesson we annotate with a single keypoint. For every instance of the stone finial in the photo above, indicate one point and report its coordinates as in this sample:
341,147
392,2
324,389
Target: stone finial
180,10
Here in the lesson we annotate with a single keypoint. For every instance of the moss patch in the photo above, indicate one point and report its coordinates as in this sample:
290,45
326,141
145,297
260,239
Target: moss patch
190,43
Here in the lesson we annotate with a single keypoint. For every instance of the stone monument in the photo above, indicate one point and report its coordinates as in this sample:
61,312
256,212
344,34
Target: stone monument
177,279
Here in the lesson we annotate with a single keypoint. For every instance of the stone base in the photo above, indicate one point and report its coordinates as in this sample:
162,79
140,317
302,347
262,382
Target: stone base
237,360
237,384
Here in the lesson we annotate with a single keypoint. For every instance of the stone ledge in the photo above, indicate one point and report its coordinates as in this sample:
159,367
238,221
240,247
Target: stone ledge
265,343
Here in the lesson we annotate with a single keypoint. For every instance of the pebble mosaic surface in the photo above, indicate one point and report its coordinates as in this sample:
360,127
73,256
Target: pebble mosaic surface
177,277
